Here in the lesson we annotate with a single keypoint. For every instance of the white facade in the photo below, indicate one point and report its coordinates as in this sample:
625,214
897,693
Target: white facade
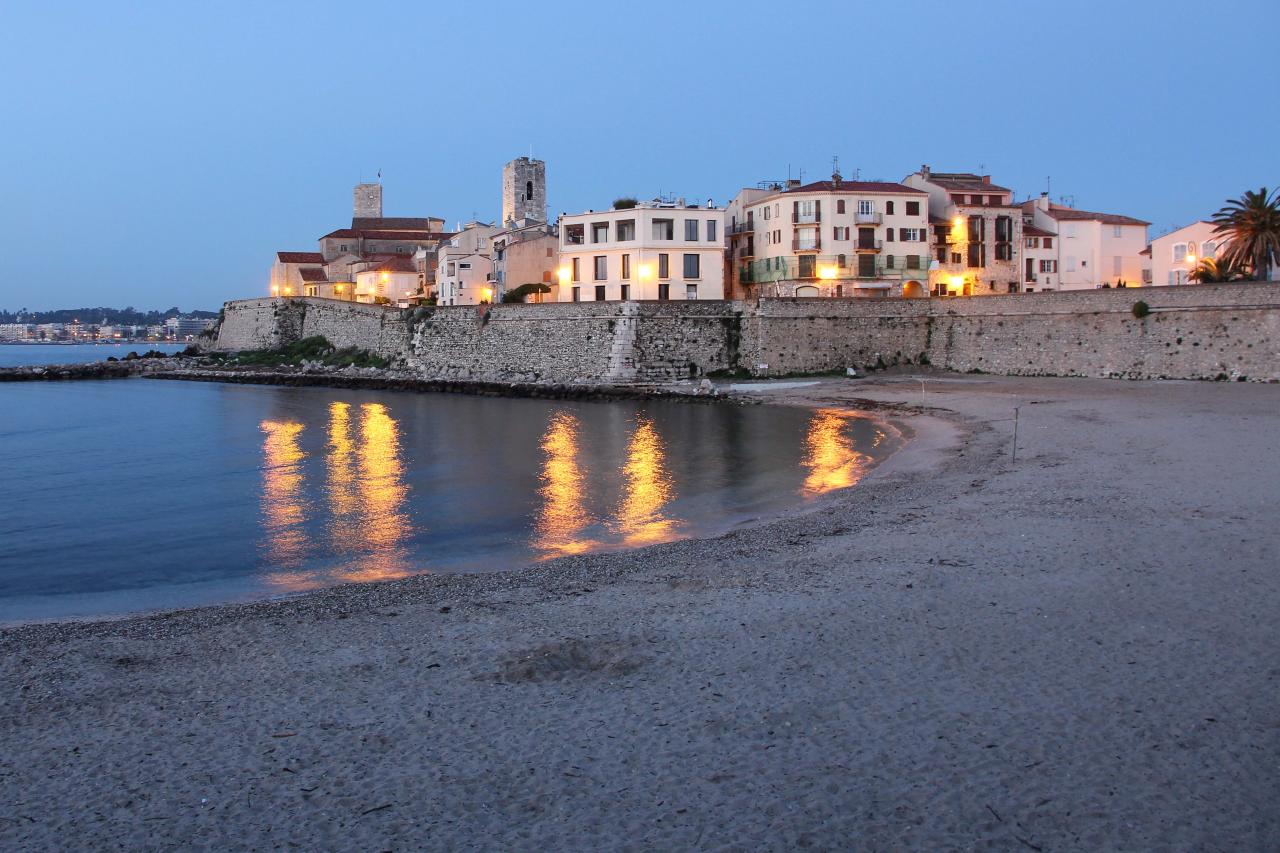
652,251
464,266
1094,249
831,238
397,286
1175,255
1039,260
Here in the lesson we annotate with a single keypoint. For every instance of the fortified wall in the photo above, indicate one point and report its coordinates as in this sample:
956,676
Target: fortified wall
1192,332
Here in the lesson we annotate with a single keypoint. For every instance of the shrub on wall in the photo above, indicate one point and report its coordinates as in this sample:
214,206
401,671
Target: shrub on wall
1141,309
517,294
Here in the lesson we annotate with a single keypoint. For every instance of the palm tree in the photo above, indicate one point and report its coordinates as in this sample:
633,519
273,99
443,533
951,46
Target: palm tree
1210,271
1251,224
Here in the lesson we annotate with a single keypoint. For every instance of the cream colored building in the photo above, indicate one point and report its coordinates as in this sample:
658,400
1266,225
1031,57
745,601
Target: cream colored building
831,238
653,251
1174,256
464,266
1039,259
287,272
1094,249
526,253
394,280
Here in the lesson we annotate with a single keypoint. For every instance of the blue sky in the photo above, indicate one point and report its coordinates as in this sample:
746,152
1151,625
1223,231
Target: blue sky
159,153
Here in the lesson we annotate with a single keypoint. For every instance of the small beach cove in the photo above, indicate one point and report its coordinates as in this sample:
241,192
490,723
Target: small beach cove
194,493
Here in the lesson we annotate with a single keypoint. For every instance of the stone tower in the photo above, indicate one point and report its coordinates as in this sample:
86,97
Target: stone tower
524,190
368,201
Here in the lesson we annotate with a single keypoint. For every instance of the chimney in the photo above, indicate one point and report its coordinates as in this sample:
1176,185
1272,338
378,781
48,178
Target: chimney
924,171
792,183
986,179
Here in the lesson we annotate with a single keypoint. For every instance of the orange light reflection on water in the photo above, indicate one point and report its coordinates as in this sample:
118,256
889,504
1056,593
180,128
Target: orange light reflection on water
282,507
648,488
383,525
830,457
563,516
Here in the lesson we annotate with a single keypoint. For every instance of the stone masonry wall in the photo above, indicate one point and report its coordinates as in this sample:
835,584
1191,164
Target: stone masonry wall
1198,332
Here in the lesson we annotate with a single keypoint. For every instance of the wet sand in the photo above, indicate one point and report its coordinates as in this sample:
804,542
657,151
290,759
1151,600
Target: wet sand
1078,651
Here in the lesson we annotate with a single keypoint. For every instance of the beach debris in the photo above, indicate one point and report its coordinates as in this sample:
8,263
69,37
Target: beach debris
285,734
377,808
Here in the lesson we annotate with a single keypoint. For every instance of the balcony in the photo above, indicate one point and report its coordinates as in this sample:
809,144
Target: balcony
742,228
867,218
798,245
869,246
814,218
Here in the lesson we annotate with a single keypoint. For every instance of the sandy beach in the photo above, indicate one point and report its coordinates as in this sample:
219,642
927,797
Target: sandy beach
1078,651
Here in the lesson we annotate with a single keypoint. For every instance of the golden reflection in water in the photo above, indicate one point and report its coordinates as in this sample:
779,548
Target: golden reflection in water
648,488
282,507
382,525
564,515
832,461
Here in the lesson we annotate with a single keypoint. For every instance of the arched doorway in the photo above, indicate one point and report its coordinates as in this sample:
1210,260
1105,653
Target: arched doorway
806,290
912,290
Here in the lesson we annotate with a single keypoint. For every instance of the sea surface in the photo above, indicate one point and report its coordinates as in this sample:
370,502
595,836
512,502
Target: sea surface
16,355
134,495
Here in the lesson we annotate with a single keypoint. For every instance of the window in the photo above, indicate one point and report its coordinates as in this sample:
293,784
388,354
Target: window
888,262
577,275
911,235
450,268
711,230
806,211
913,262
626,268
1032,242
766,213
1004,229
577,294
691,291
624,230
693,266
842,261
1048,266
342,248
599,232
664,229
993,200
464,266
888,208
977,256
1117,264
664,266
600,270
573,235
1179,252
599,293
840,233
1117,231
888,235
691,230
626,292
664,291
1004,251
913,208
1048,242
777,236
1208,249
977,229
840,205
528,190
866,206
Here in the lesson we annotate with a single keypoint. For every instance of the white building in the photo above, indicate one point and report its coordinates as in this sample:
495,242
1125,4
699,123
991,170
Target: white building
829,238
1039,259
16,331
1094,249
392,281
1175,255
655,250
464,266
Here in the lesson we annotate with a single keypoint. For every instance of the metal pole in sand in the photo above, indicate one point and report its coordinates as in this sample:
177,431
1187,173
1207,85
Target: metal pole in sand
1015,436
922,403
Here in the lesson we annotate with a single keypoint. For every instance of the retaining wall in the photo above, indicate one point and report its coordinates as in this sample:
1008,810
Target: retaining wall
1196,332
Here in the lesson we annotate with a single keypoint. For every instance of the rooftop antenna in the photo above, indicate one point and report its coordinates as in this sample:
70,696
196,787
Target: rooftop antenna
857,174
379,176
835,167
1048,185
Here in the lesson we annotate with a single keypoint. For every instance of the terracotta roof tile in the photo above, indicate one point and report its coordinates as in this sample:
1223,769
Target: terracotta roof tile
389,235
1070,213
300,257
393,223
855,187
965,182
1033,231
312,274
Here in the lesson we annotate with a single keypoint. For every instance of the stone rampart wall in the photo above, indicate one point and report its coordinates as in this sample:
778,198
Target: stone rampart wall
1200,332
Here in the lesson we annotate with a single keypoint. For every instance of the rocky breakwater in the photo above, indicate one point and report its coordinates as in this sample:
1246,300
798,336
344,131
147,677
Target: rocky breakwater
110,369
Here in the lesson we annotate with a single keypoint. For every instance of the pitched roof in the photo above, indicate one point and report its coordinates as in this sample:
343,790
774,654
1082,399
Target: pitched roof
300,257
1033,231
1070,213
393,223
965,181
313,274
355,233
855,187
399,263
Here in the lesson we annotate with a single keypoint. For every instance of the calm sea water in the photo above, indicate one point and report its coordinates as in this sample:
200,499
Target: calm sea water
16,355
124,496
